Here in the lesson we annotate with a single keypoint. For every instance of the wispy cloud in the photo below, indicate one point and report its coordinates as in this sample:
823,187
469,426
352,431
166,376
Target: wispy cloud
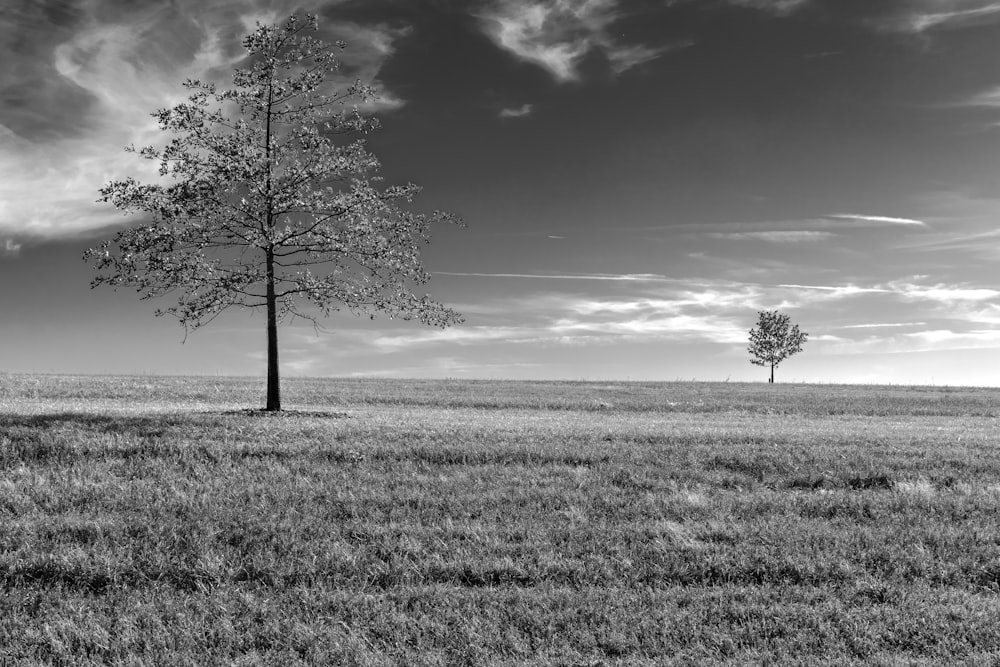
713,311
558,34
819,227
985,103
11,249
623,57
653,325
955,340
780,7
622,277
947,294
839,290
517,112
550,320
986,98
787,236
943,293
110,67
876,219
921,16
448,367
883,325
369,47
716,312
721,297
463,335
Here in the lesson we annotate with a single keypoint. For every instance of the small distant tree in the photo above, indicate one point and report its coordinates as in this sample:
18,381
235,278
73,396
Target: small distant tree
265,209
774,339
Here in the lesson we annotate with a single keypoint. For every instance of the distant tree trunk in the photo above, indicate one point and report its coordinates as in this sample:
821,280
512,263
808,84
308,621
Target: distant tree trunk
771,381
273,381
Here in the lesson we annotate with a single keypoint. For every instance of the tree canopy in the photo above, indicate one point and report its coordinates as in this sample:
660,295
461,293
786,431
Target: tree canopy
263,202
774,339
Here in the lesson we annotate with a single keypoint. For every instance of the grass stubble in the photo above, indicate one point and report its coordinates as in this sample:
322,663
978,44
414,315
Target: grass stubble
151,521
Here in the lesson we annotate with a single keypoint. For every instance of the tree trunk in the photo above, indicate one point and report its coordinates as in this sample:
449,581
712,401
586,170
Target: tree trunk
771,381
273,381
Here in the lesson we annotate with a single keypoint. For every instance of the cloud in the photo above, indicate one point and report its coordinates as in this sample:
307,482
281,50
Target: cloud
519,112
706,297
876,219
542,322
947,294
462,335
885,325
987,98
943,293
369,47
649,311
838,291
447,367
820,227
623,277
622,57
790,236
780,7
11,249
925,15
557,34
101,70
938,339
653,325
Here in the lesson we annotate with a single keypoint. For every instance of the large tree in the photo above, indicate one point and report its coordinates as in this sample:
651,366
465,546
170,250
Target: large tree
774,339
265,202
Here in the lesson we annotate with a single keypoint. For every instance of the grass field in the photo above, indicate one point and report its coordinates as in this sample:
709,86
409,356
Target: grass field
156,521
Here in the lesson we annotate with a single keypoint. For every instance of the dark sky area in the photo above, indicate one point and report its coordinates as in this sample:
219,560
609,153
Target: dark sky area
638,178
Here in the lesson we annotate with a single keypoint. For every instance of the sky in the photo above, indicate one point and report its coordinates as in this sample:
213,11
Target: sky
638,179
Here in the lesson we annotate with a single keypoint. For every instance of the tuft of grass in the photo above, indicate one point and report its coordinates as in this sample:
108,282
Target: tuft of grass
165,521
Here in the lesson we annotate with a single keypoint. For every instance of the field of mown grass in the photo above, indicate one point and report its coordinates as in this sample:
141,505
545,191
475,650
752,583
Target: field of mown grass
389,522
